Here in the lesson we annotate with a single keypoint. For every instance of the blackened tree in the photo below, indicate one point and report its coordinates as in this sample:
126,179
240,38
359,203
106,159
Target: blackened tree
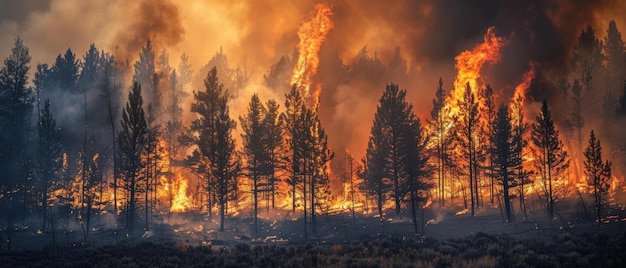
91,68
614,48
132,141
273,134
503,153
65,72
489,111
439,126
598,174
294,103
255,149
467,125
145,66
16,104
551,158
49,158
394,158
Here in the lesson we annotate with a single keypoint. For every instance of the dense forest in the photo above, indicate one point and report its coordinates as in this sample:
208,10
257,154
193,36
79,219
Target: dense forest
107,144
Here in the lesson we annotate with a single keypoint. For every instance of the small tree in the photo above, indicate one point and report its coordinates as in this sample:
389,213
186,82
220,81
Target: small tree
132,142
503,154
211,134
49,158
598,173
551,157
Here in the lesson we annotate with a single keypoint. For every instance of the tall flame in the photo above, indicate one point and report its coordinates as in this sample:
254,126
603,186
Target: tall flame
469,63
519,97
181,203
312,35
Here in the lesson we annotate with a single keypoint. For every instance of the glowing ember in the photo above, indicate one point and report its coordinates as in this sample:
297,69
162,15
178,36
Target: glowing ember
312,35
181,200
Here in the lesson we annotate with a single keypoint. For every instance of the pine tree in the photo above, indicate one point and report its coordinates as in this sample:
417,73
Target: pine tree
16,104
49,158
550,156
212,134
294,103
488,109
598,174
395,159
320,157
255,149
614,48
132,141
185,74
145,66
65,72
439,127
504,156
467,127
91,68
273,134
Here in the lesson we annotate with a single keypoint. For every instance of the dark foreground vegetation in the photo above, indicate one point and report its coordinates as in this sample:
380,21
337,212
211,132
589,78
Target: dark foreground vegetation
480,250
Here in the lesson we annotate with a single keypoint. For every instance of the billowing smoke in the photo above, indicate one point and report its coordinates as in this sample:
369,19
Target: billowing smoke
412,43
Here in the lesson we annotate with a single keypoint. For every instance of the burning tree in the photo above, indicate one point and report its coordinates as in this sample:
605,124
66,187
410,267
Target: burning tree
598,173
550,156
211,135
132,140
468,126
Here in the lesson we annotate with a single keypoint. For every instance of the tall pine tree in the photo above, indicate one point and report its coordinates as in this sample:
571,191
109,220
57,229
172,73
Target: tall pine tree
132,140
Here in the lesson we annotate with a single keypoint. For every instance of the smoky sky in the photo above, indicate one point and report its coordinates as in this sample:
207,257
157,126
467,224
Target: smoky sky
256,33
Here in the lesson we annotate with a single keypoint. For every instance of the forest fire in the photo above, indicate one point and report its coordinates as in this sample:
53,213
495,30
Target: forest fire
149,136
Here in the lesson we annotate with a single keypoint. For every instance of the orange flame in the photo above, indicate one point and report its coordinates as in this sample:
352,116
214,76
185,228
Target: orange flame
469,63
312,34
519,97
181,203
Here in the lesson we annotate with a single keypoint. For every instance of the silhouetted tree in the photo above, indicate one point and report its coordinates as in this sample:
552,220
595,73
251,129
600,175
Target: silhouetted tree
65,72
212,134
132,141
551,158
614,48
145,66
467,127
91,68
440,125
294,104
16,104
49,158
504,156
489,111
255,149
394,157
598,173
273,134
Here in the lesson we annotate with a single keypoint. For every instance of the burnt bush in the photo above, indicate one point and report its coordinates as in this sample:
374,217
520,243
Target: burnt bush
483,250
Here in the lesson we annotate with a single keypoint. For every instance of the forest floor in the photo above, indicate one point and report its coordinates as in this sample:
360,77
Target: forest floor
278,228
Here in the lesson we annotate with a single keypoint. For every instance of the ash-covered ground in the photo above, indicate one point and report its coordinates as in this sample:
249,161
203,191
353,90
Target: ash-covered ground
447,237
